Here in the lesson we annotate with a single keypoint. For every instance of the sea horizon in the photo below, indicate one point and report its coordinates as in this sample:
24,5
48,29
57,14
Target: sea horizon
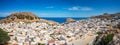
58,19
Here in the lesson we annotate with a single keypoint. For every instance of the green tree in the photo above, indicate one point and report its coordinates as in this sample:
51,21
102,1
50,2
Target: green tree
40,44
108,38
68,36
15,39
97,37
99,33
4,36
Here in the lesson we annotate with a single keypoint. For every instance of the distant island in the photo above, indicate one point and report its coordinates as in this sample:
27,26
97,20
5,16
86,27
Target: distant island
25,28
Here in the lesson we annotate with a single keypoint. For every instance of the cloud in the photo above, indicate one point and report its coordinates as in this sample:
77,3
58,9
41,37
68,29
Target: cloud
85,8
80,8
50,7
73,8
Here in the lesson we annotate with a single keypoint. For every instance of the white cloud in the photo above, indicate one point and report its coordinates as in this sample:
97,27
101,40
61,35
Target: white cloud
85,8
73,8
50,7
80,8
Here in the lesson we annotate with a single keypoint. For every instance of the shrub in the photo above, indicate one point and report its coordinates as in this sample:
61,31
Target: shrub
97,37
40,44
4,36
99,33
108,38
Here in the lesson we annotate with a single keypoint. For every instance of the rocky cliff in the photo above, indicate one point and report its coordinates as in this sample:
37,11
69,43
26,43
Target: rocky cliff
25,17
69,20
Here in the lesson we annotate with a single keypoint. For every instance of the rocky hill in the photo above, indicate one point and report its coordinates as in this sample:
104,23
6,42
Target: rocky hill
70,20
25,17
107,16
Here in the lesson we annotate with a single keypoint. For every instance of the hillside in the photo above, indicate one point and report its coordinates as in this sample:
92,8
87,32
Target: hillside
25,17
107,16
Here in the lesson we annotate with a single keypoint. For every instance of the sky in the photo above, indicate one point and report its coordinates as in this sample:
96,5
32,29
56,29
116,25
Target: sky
60,8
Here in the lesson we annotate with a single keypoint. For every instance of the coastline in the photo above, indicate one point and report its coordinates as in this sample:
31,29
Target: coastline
58,19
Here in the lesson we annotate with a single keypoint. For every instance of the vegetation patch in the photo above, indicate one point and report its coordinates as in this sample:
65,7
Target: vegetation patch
3,36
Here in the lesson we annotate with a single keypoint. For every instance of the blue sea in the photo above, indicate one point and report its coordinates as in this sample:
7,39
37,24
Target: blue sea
58,19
